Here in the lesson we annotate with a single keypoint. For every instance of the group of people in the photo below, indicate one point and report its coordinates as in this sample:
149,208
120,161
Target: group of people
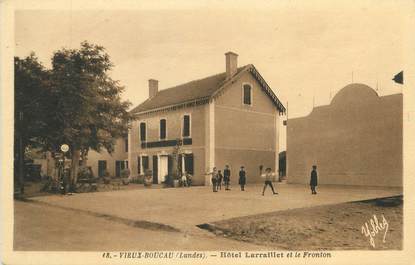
218,178
186,179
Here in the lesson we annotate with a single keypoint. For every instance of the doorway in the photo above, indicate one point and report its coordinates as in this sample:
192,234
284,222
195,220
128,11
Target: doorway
163,169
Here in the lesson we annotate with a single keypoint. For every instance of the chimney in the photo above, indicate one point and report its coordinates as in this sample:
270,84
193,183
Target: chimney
153,87
231,64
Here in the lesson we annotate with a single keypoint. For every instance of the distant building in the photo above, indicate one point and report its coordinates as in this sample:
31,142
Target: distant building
356,140
113,163
99,162
229,118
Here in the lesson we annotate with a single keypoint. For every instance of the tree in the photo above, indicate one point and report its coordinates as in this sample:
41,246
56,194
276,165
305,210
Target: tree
87,111
31,81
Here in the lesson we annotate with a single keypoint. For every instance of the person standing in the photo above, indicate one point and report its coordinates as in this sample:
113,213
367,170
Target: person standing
313,180
226,177
214,178
268,175
242,178
219,183
188,179
184,180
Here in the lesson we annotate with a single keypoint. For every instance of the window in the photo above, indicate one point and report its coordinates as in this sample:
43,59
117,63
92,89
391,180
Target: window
186,126
247,90
162,129
119,166
144,163
102,167
138,165
143,135
126,144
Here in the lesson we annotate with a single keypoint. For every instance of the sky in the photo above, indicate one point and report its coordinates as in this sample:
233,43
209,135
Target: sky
306,52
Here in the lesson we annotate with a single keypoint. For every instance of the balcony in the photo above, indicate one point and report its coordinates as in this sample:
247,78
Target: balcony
166,143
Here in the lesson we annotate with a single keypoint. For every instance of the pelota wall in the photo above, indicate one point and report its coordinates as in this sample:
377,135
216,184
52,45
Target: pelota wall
356,140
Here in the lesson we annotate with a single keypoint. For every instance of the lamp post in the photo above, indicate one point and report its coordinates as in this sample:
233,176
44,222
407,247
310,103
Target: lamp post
64,149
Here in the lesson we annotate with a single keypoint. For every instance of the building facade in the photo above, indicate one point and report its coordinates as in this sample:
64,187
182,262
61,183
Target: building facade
356,140
231,118
113,163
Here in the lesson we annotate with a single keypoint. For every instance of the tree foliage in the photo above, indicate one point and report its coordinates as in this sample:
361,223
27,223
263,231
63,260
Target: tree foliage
89,111
31,84
80,104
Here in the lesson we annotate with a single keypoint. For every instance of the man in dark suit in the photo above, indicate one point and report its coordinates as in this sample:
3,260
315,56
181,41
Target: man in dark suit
313,180
226,177
242,178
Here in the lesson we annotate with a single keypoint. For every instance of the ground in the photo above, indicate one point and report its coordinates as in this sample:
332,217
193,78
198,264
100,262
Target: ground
329,227
149,219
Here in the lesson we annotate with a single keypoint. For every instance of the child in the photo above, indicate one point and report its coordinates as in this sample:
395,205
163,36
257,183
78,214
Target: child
220,177
313,180
214,178
226,177
184,180
242,178
268,175
188,179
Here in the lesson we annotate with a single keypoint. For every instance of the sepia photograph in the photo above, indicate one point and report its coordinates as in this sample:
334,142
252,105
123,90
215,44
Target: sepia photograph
206,131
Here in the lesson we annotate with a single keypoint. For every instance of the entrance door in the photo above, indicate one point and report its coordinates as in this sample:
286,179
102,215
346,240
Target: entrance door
163,168
155,170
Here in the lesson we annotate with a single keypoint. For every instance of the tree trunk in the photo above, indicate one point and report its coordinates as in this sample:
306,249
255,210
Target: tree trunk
84,156
74,166
21,165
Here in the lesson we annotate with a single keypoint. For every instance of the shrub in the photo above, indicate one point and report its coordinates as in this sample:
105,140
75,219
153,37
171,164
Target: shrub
85,173
168,181
125,173
137,179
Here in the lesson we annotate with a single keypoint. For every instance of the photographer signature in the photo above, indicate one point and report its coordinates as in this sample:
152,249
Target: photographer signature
375,228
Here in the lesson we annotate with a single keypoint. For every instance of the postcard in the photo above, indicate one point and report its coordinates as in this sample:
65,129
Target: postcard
206,132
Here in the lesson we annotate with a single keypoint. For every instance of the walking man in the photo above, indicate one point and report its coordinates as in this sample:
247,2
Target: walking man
313,180
226,177
242,178
268,175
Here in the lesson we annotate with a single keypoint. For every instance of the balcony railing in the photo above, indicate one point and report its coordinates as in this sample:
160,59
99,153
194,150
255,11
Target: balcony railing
166,143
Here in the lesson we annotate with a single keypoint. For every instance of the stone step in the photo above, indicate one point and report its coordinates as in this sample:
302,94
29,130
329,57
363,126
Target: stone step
283,181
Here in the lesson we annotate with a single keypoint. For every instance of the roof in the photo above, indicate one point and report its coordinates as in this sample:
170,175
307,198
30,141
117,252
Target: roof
200,90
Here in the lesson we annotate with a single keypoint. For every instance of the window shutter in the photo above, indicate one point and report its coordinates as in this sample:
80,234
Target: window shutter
179,163
186,126
247,94
144,162
162,129
188,163
143,135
